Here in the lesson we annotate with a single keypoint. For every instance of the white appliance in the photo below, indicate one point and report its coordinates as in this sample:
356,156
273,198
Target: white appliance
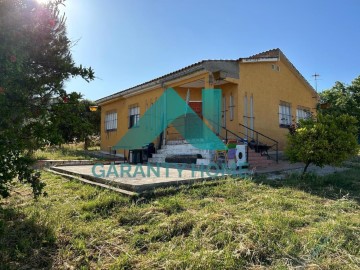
240,155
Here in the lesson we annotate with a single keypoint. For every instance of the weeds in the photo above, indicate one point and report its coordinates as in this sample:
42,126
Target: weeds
65,152
313,223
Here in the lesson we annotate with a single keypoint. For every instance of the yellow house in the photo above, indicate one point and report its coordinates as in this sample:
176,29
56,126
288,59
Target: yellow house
261,96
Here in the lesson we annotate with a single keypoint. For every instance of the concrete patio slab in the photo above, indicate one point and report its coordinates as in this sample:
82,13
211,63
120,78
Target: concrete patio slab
141,178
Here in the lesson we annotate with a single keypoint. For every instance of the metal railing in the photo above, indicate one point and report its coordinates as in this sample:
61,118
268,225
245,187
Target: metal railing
255,139
259,140
231,136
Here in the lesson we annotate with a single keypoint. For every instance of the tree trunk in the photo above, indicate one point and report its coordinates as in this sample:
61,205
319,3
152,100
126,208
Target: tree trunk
87,143
306,167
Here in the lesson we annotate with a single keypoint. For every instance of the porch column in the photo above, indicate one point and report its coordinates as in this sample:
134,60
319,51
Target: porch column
209,81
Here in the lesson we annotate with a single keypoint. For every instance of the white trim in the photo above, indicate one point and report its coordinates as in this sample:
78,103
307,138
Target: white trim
111,119
302,113
285,116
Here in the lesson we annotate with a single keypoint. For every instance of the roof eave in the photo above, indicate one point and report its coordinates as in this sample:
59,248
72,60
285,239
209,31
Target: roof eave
206,65
156,82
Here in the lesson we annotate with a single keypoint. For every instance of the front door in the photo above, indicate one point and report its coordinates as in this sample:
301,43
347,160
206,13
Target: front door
196,106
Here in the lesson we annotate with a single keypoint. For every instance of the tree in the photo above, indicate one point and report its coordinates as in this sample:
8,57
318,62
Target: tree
323,140
74,120
342,99
35,61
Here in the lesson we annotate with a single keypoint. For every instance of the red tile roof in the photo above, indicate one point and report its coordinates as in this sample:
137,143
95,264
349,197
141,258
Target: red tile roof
274,53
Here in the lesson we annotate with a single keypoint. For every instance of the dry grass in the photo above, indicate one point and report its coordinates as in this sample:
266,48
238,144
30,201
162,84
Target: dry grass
313,223
65,152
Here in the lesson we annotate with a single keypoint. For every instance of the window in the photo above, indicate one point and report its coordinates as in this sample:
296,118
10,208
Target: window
302,113
111,121
284,114
224,112
134,116
231,107
275,67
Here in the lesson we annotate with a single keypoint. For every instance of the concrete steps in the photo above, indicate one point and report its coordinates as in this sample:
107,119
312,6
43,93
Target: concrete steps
179,148
157,159
255,160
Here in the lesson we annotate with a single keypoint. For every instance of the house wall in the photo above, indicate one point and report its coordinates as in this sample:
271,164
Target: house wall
195,95
268,87
110,138
228,90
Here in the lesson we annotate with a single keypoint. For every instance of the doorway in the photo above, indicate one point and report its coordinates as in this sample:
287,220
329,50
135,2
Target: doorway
194,132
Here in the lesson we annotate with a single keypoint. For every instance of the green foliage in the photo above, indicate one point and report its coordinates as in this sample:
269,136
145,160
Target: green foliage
73,121
35,60
323,140
342,99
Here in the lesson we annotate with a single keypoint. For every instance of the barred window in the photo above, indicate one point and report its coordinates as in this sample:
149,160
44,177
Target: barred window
111,121
134,116
302,113
284,114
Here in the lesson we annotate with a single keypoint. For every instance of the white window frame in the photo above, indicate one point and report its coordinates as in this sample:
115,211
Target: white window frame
111,121
302,113
285,117
134,116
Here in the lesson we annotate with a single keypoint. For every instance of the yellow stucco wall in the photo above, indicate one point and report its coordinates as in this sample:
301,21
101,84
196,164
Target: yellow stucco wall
121,106
267,87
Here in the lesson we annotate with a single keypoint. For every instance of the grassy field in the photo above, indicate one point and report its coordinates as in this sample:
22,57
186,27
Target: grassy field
310,223
65,152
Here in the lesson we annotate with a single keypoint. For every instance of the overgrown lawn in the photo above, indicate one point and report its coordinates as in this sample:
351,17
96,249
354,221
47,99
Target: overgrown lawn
65,152
311,223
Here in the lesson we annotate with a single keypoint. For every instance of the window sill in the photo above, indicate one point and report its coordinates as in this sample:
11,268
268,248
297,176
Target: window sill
284,126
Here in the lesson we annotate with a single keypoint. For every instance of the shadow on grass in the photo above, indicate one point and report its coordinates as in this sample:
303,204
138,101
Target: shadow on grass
23,243
333,186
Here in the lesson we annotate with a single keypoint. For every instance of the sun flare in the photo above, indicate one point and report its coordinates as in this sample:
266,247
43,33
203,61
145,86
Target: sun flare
43,1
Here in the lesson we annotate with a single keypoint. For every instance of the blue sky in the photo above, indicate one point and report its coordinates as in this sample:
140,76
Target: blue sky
128,42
